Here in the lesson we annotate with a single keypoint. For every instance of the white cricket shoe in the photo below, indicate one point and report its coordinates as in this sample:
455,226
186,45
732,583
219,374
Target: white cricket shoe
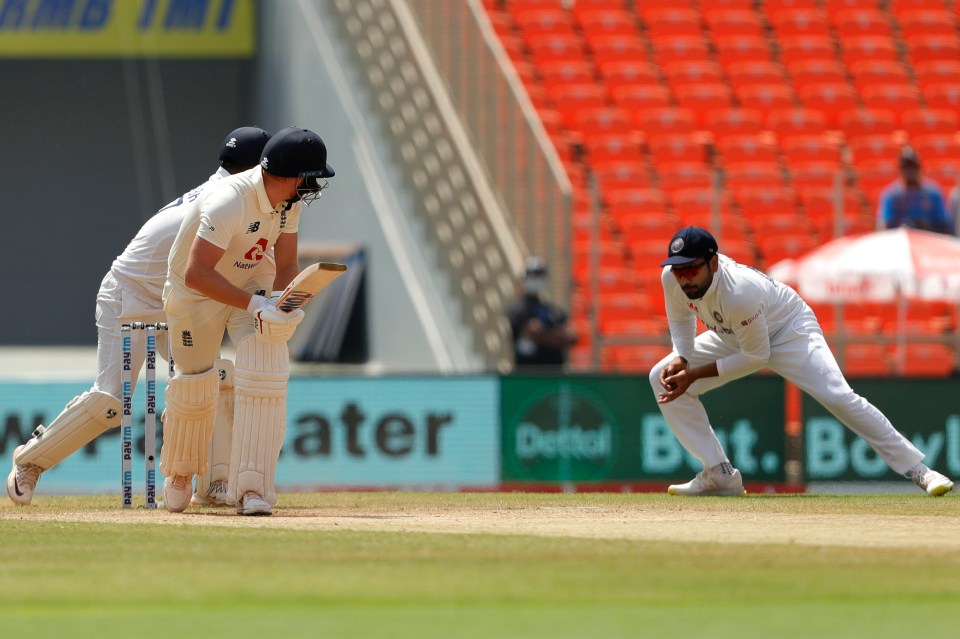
216,495
930,480
177,492
253,504
22,481
721,480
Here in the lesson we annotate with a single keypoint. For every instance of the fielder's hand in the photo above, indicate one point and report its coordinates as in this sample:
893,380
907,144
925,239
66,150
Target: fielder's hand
275,326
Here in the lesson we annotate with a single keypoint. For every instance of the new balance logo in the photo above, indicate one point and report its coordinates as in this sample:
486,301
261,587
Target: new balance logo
186,338
253,228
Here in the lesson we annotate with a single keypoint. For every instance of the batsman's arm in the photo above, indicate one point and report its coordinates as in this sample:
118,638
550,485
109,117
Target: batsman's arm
201,275
285,253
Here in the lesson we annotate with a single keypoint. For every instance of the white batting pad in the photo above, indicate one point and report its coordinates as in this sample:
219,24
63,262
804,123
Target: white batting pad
219,466
85,417
260,418
188,423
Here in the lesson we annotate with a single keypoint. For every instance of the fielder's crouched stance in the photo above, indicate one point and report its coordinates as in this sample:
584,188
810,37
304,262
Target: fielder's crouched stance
755,322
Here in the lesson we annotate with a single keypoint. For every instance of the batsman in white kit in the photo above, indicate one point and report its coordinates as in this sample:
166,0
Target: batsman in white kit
754,322
211,286
130,292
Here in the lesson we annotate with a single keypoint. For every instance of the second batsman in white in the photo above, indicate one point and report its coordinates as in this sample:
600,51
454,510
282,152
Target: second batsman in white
130,292
754,322
211,287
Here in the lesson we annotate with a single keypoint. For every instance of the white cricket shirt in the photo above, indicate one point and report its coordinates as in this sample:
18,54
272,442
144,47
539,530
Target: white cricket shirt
744,307
234,215
142,267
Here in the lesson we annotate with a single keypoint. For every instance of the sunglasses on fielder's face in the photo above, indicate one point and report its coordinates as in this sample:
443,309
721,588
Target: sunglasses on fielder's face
688,271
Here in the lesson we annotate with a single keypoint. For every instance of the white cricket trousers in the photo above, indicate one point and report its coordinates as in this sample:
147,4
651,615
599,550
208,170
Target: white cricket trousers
798,353
116,307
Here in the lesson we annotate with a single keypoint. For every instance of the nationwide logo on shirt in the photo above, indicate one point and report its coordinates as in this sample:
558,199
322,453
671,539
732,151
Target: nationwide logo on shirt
255,254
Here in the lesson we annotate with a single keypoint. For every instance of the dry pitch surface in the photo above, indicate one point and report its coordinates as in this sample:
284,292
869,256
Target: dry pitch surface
863,522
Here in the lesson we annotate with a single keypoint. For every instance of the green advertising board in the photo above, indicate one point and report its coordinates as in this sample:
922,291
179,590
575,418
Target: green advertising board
581,429
925,411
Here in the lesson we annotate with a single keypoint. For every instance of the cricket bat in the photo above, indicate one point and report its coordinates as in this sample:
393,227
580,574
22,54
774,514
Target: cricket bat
308,283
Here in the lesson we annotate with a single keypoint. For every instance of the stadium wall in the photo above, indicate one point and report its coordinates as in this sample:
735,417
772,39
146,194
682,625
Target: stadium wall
556,433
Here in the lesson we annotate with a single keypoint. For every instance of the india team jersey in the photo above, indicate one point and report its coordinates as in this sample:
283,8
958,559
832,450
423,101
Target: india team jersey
235,215
744,307
142,267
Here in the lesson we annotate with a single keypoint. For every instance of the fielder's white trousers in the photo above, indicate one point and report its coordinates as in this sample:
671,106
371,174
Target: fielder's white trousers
799,353
116,307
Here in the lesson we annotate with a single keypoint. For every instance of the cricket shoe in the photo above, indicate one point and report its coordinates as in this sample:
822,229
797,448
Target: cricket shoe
177,491
216,495
722,480
929,480
22,480
253,504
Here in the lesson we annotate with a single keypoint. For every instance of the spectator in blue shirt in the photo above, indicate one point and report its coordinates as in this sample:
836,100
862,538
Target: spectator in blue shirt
913,201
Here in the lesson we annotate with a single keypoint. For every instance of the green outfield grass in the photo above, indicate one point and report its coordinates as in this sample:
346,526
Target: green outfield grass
60,577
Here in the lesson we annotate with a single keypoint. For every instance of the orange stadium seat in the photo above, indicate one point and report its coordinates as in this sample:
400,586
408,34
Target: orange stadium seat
859,48
676,48
858,123
582,6
633,358
603,121
645,226
605,22
773,8
629,73
685,175
862,22
817,71
898,7
635,97
734,22
648,250
734,122
929,48
740,251
753,174
613,146
619,174
927,360
798,22
745,148
701,99
942,95
621,306
686,72
869,72
766,97
569,99
834,7
810,148
919,122
671,21
933,72
759,202
548,48
892,97
875,176
830,99
775,248
678,147
929,22
567,72
617,48
638,199
807,175
936,147
610,254
866,360
617,280
944,172
783,223
867,149
694,206
786,123
755,72
544,21
665,121
731,49
801,47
